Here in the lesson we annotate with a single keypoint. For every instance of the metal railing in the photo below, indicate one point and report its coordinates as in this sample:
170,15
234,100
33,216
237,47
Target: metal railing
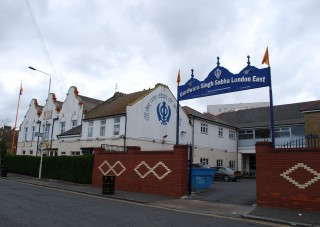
311,140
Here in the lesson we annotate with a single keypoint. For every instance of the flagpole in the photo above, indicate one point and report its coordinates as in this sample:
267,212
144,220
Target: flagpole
178,109
271,109
15,124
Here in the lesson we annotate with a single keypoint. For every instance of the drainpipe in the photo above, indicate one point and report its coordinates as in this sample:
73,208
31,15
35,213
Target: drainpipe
237,138
53,120
39,123
193,139
125,133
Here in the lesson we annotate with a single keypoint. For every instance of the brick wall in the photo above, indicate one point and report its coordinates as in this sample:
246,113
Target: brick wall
152,172
288,178
312,123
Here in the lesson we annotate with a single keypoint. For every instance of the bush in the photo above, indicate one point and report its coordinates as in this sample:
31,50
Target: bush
3,151
77,169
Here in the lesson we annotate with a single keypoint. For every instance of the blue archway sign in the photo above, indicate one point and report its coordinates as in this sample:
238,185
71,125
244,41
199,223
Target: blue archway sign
220,81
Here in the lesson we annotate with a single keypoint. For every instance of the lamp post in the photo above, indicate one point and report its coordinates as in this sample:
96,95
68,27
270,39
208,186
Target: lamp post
32,68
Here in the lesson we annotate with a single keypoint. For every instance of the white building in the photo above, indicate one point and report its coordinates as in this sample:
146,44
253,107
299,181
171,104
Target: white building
50,120
145,118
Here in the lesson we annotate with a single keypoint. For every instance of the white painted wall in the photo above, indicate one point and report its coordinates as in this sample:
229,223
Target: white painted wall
29,121
71,110
143,122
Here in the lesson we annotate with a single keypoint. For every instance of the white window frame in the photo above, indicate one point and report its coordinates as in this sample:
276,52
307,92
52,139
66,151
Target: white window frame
62,127
279,132
204,128
232,134
46,130
116,126
245,133
26,133
220,132
103,128
33,132
74,123
232,164
204,161
219,163
90,129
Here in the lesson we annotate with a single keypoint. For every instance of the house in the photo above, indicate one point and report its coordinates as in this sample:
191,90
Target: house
214,140
254,125
50,120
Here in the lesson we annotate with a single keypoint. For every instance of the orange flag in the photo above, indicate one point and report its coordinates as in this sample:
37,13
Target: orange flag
178,79
265,59
21,89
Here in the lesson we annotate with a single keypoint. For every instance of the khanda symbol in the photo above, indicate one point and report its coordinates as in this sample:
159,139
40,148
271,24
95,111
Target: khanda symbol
164,113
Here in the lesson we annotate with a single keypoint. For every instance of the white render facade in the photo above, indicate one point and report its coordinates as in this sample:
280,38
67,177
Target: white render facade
147,121
50,120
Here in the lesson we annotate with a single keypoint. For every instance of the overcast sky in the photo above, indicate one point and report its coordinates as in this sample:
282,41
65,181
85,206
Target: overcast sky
98,45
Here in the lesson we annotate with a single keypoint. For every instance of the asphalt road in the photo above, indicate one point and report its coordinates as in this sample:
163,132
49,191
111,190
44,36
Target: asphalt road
28,205
240,192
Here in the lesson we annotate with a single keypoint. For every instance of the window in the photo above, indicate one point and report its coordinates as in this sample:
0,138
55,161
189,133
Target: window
63,153
204,161
204,128
25,134
220,132
103,128
282,132
90,129
232,165
46,131
232,134
74,153
245,134
23,152
62,127
31,152
219,162
262,133
116,126
74,123
33,132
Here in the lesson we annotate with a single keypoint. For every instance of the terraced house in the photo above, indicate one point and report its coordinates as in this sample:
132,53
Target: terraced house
145,118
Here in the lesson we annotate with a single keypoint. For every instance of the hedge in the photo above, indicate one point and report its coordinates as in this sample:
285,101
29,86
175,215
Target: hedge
76,169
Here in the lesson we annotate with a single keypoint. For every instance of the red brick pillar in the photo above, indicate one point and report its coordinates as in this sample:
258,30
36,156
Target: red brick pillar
182,152
263,173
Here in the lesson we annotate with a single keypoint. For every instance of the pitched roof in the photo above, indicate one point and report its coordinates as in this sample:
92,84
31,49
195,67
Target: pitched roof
315,106
205,116
116,105
287,114
72,132
89,103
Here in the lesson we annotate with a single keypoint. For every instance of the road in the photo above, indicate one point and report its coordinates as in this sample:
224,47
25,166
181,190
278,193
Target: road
29,205
241,192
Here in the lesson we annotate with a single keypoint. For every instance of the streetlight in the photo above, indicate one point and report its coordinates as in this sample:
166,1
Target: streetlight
32,68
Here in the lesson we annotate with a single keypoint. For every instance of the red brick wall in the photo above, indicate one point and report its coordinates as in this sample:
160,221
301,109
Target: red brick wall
172,170
302,165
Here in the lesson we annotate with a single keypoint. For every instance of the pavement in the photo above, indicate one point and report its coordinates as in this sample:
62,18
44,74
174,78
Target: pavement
186,203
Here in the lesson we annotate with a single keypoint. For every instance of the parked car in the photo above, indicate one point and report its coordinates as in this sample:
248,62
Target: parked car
226,174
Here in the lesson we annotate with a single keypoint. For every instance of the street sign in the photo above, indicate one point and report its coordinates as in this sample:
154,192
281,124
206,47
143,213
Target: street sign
38,134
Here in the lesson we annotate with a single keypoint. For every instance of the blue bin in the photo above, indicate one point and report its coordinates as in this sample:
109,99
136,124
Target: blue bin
202,178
